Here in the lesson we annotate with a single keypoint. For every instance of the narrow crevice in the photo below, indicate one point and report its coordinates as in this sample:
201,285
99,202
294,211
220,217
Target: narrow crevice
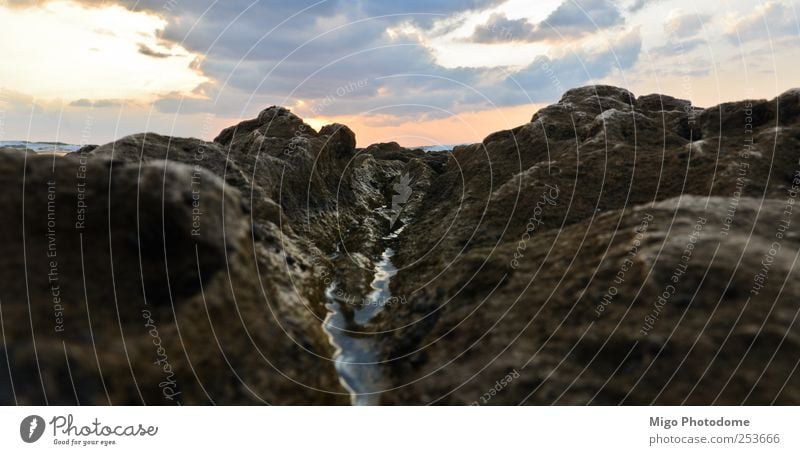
358,356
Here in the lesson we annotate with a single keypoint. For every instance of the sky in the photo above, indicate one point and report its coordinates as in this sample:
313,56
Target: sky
416,72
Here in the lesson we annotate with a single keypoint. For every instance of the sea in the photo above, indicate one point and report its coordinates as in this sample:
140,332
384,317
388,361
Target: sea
60,147
43,147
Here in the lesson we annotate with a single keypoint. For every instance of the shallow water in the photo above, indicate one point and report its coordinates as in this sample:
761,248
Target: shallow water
357,358
380,295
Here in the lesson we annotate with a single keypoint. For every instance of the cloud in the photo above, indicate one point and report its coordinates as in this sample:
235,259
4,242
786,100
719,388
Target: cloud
772,20
48,37
591,14
100,104
682,25
572,19
403,84
275,52
500,29
547,78
678,48
144,49
303,65
299,53
639,5
682,30
232,27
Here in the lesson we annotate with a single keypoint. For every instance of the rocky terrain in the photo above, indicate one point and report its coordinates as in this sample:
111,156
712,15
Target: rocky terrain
615,249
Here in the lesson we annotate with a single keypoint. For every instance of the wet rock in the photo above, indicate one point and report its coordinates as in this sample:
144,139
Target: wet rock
610,251
86,149
342,138
606,96
530,217
656,102
729,119
134,283
788,105
274,121
604,312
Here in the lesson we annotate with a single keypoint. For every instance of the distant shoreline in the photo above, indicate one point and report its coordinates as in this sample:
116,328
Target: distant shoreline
48,146
40,147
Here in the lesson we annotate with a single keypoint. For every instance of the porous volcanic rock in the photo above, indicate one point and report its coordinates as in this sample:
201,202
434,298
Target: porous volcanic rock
615,249
132,283
524,233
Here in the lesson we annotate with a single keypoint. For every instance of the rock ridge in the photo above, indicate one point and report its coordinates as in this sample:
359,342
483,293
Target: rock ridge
542,251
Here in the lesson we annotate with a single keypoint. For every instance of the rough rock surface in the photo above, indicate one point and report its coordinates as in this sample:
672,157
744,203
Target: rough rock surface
615,249
529,229
139,284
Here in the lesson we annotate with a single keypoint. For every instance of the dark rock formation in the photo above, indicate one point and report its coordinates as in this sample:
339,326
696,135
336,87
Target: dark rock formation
613,250
529,230
127,283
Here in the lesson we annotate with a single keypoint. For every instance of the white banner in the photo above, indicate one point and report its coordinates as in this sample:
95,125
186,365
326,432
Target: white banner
386,431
